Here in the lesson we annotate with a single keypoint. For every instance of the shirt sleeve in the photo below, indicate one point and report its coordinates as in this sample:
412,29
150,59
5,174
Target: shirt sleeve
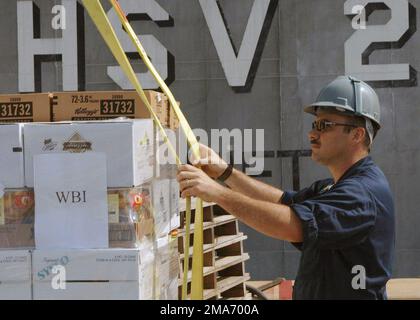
290,197
338,218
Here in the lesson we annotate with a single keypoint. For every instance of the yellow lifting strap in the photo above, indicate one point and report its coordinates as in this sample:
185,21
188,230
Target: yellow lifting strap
99,17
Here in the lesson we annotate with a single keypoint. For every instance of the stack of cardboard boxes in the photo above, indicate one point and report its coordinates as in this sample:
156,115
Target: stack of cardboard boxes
86,207
82,106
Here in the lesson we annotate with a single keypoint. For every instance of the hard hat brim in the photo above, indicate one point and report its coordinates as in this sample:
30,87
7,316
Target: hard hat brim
335,107
338,109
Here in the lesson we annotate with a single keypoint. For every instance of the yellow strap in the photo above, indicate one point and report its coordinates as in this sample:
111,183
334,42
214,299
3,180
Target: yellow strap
197,267
192,141
186,250
100,19
197,262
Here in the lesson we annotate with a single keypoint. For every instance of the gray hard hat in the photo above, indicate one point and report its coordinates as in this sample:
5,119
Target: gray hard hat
351,96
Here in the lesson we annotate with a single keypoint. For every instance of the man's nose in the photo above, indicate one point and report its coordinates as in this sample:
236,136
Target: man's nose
313,135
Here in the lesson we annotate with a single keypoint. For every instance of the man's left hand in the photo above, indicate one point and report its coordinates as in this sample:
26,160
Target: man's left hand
194,182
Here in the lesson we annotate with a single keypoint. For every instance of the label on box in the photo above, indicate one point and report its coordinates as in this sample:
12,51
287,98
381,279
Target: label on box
88,264
15,265
25,107
113,208
102,105
71,200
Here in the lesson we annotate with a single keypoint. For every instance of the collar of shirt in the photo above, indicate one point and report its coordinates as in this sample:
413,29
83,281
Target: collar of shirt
359,166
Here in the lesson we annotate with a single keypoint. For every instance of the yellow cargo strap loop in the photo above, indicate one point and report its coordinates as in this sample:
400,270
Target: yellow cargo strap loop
102,23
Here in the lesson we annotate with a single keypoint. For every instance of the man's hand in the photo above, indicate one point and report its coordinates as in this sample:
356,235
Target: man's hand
193,182
210,162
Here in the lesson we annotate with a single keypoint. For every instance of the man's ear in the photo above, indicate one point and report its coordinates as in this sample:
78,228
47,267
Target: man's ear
359,134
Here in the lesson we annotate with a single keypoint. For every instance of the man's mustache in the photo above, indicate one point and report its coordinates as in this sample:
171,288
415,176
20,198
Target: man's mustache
315,142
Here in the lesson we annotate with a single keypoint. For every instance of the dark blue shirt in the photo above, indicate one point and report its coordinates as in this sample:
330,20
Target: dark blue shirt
348,228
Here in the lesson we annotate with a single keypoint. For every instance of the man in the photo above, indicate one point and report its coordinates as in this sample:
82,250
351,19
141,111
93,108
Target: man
344,226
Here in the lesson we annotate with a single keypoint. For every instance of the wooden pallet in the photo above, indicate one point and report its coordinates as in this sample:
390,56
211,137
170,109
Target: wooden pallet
224,258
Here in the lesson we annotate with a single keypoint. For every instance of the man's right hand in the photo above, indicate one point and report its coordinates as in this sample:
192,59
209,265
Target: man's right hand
214,166
210,162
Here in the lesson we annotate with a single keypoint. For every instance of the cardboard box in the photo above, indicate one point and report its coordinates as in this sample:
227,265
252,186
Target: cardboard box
95,274
114,290
130,216
161,200
11,156
28,107
166,165
17,236
173,119
160,105
127,205
175,218
17,219
172,291
130,219
17,207
166,169
15,275
166,269
129,235
102,105
128,145
121,235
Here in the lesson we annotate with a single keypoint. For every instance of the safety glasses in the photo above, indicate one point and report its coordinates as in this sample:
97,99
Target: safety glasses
323,125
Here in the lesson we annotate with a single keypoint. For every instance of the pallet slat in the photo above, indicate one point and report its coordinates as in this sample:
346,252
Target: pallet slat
219,243
230,282
229,261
